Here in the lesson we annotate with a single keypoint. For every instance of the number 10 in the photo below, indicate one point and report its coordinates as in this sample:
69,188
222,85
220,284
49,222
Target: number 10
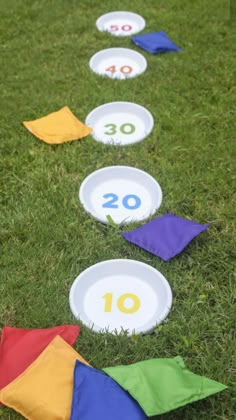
121,303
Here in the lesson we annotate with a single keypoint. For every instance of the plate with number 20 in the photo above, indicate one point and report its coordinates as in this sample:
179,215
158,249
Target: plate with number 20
122,193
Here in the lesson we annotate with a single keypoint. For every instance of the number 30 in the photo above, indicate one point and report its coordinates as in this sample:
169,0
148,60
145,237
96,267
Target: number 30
126,128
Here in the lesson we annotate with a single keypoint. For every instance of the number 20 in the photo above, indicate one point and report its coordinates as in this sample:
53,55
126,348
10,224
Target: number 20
125,202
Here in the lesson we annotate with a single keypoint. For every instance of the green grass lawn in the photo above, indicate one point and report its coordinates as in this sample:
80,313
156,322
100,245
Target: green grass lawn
48,239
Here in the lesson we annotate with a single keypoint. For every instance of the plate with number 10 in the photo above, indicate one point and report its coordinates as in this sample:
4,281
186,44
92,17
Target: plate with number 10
121,295
118,63
120,123
121,23
122,193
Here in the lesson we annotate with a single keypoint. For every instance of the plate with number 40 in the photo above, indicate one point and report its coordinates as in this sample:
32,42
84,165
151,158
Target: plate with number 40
121,193
118,63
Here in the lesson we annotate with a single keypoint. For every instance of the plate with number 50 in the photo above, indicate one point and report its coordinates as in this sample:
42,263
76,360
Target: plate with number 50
120,123
122,193
121,23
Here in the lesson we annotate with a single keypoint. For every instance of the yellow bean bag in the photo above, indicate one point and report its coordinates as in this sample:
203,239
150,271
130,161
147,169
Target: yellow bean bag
44,390
58,127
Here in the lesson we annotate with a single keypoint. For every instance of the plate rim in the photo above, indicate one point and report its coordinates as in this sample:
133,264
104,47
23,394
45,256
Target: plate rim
106,168
122,103
150,325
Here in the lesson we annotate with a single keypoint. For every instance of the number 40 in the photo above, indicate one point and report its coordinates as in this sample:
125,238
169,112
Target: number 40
123,69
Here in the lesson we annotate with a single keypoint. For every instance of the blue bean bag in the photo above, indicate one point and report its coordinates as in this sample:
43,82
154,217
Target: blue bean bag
155,42
96,396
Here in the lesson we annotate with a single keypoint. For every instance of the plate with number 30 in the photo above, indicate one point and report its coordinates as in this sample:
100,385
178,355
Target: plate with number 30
123,193
121,295
120,123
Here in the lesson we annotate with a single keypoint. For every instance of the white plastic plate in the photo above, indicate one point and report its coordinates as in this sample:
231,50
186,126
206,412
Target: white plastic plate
124,193
118,63
120,123
121,23
118,295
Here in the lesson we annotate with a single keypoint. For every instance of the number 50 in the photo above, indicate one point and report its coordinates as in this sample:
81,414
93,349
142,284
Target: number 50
125,28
